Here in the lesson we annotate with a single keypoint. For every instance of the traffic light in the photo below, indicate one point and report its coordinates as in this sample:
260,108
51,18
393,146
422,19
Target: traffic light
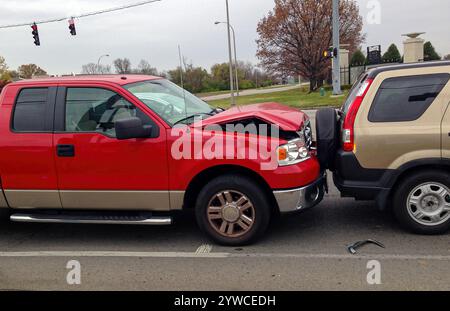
35,34
330,53
72,28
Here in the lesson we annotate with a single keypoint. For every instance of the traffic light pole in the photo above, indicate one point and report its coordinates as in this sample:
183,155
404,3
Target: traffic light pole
336,44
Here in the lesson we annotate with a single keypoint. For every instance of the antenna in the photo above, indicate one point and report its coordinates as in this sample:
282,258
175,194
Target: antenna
182,80
181,66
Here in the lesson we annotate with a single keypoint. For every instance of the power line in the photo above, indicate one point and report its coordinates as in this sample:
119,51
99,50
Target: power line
123,7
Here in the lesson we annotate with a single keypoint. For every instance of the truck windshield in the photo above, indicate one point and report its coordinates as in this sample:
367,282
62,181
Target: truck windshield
169,101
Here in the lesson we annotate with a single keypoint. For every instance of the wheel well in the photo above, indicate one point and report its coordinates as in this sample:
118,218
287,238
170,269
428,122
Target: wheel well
209,174
414,170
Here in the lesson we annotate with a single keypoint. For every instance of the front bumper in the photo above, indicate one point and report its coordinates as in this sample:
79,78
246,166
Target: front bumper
301,198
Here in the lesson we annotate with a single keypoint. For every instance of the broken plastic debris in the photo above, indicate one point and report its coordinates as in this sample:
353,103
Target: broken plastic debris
352,248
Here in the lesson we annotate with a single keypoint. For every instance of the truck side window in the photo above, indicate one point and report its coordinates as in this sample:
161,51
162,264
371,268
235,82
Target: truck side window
406,99
96,110
30,110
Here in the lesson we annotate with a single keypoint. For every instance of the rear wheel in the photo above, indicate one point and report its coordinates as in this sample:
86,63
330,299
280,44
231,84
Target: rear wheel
422,202
233,210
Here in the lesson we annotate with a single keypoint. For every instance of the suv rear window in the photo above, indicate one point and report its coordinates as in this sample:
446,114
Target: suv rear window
406,99
30,110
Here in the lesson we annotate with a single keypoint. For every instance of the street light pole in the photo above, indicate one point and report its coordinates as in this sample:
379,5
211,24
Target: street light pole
99,59
336,44
235,55
233,100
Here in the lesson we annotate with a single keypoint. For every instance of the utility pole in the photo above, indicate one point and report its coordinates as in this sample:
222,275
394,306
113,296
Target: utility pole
233,99
235,55
336,44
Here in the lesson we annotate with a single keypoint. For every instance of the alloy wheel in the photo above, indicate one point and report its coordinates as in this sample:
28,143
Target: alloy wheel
231,213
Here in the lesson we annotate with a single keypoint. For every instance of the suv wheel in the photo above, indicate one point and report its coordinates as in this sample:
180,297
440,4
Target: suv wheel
422,202
233,210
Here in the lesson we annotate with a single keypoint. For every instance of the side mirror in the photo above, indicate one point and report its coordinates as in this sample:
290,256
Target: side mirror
132,128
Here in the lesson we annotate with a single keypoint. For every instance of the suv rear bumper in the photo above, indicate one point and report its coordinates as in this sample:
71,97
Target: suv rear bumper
293,200
352,180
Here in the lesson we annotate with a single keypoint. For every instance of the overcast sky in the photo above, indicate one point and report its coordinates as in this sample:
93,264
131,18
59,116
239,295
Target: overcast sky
152,32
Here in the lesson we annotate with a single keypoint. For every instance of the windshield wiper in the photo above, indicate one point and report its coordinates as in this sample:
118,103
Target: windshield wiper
193,116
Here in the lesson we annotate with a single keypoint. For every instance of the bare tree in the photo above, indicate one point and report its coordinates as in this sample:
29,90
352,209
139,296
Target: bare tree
3,66
89,69
294,35
145,68
122,65
92,69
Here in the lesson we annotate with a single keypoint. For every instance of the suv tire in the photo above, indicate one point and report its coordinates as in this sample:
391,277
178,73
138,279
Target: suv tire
421,202
233,210
327,137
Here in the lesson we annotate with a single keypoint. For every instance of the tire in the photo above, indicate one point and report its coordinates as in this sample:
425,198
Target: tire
226,193
421,200
327,137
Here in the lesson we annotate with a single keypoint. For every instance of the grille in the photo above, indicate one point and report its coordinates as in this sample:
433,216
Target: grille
307,132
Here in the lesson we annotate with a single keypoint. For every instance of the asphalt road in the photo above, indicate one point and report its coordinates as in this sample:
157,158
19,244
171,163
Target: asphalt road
305,251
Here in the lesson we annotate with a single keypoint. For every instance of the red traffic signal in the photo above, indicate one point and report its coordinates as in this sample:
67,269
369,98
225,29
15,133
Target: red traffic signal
72,28
35,34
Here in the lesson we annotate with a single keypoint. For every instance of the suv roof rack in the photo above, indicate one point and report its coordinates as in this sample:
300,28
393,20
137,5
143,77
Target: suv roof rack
376,71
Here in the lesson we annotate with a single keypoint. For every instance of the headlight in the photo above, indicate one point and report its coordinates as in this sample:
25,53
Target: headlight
292,153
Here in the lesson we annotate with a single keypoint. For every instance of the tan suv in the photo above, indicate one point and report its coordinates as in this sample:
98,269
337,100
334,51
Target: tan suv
390,142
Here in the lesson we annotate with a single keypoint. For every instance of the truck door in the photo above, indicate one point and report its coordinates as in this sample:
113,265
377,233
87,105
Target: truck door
28,174
96,170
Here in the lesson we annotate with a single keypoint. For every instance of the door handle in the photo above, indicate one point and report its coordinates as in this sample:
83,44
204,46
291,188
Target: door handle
65,150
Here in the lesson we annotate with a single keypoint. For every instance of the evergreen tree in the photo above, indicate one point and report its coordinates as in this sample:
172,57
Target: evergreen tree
430,53
358,58
392,55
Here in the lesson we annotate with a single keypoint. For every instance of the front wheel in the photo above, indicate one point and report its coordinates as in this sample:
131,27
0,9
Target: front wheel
422,202
233,210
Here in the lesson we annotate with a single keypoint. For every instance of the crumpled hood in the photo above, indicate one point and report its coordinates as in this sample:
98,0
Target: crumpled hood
287,118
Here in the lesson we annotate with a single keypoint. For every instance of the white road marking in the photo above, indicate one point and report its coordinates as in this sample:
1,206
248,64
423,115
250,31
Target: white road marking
204,249
74,254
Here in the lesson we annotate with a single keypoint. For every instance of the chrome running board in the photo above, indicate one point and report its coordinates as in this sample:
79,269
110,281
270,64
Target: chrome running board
93,218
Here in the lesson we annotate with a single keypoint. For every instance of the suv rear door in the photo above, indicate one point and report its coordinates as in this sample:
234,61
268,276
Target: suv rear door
96,170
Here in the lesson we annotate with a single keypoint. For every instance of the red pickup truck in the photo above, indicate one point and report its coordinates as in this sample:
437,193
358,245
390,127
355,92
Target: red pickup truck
130,149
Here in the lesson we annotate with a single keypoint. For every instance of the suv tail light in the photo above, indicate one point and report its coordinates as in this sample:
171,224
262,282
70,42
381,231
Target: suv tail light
348,129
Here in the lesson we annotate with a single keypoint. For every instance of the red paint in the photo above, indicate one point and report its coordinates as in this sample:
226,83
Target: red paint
285,117
29,161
